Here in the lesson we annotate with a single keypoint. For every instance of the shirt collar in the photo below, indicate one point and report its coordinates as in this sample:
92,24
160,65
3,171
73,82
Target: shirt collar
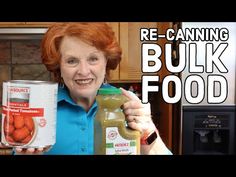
63,94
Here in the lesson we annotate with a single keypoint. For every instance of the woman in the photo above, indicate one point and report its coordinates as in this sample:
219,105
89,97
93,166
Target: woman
80,55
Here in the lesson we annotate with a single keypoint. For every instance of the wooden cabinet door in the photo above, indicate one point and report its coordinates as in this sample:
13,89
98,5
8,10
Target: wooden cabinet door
130,66
114,74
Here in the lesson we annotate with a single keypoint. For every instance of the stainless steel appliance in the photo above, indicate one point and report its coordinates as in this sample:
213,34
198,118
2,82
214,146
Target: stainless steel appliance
210,128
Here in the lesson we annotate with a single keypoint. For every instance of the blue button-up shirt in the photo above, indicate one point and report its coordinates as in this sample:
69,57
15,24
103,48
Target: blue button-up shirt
74,127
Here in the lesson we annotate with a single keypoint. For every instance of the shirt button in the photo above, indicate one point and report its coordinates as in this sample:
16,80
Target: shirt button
83,128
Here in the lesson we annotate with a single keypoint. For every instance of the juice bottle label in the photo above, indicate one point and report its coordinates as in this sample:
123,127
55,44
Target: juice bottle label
117,145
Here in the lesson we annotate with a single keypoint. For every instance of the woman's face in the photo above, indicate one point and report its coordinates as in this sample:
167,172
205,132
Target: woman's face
83,67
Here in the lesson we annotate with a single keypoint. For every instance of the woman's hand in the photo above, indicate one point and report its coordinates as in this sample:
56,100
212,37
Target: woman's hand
31,151
2,146
5,150
138,115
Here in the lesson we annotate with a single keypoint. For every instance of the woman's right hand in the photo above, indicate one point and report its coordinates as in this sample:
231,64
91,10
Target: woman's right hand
31,151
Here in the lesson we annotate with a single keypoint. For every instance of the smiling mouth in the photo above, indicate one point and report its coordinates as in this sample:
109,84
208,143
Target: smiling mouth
84,81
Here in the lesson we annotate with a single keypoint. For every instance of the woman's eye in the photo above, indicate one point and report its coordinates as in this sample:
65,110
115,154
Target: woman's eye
71,61
93,59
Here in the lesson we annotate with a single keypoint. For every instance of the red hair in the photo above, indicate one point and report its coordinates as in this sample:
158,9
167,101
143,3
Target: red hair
99,35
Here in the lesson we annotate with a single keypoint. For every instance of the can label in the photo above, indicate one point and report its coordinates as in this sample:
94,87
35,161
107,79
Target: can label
29,113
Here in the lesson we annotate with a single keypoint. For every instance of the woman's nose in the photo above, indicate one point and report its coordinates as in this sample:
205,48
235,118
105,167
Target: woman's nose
83,68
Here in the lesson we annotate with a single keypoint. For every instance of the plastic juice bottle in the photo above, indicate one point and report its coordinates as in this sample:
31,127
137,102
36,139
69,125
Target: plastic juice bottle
111,134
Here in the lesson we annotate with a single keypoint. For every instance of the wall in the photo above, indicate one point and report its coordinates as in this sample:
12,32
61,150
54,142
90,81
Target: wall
21,59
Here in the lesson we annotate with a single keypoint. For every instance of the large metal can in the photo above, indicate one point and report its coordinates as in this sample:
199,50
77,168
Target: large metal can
29,113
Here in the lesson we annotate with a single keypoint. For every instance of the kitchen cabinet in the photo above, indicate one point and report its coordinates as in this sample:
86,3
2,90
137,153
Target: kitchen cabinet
114,74
130,66
128,35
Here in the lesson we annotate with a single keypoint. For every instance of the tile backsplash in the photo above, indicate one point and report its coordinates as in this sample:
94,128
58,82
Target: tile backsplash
21,60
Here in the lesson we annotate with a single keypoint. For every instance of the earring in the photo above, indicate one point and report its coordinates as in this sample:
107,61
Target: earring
105,81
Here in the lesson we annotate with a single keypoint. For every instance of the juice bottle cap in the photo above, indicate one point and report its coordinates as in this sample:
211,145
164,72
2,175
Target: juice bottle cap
109,91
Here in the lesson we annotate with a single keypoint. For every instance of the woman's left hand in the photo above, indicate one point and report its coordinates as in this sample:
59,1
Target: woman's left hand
138,115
